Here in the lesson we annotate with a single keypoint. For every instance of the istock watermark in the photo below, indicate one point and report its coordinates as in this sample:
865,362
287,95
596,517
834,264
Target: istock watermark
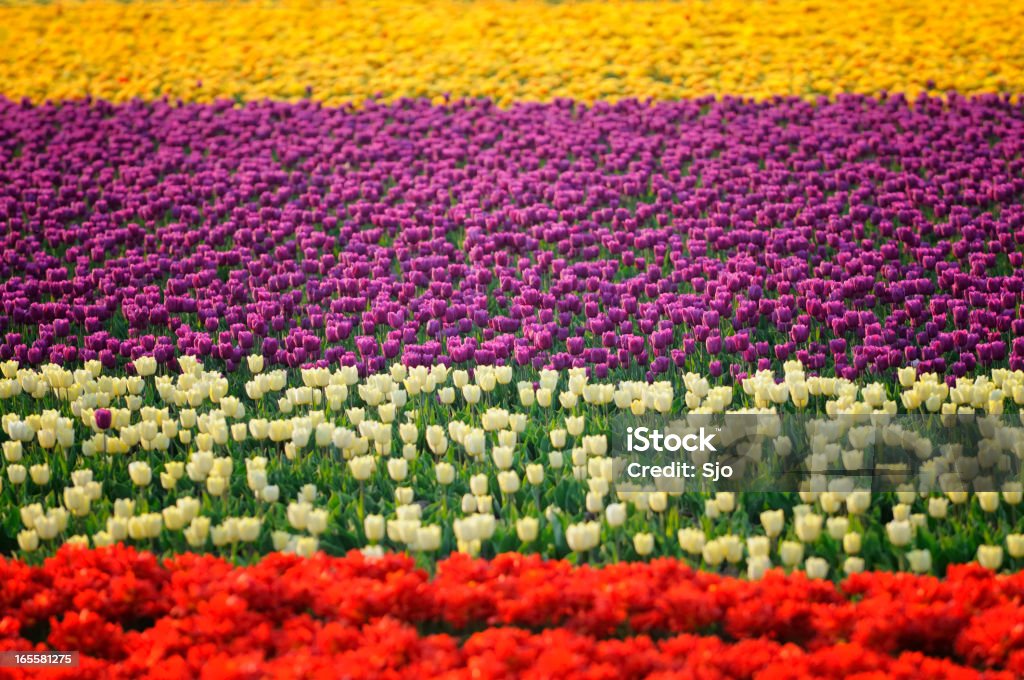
641,439
645,439
766,451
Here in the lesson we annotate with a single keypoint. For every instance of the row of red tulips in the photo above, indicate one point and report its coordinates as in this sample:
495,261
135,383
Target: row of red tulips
128,613
306,648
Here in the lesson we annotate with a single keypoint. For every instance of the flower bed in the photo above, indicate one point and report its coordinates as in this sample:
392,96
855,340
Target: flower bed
529,50
127,613
312,313
409,325
721,237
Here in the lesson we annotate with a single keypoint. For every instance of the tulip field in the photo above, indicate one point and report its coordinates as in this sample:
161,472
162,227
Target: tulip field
316,319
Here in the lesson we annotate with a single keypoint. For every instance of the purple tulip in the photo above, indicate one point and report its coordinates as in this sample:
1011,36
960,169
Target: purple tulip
102,417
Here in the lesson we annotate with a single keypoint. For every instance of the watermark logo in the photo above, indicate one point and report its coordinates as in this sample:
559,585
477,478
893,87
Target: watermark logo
645,439
767,451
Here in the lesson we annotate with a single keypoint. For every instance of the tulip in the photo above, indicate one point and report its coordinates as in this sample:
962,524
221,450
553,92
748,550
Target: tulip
527,529
816,568
583,537
373,526
436,439
474,443
1013,493
174,518
837,527
398,469
298,515
280,540
1015,545
409,512
615,514
988,500
907,376
733,547
957,497
117,527
445,473
255,363
791,553
256,479
990,556
852,543
901,512
773,522
595,445
403,531
853,565
137,528
758,546
306,546
16,474
427,539
28,540
713,553
574,426
900,532
76,500
362,467
858,502
920,561
692,540
937,507
40,474
102,418
12,451
502,457
486,525
145,366
140,473
101,539
248,529
808,527
216,485
478,484
643,543
757,566
472,394
81,477
508,482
